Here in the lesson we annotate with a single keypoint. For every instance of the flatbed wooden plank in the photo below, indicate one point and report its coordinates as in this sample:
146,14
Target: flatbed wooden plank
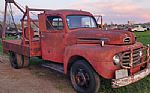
18,47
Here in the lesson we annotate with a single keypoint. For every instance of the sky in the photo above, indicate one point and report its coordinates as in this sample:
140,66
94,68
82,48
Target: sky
116,11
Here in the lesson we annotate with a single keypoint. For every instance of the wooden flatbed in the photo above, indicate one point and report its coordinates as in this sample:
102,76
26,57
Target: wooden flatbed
23,49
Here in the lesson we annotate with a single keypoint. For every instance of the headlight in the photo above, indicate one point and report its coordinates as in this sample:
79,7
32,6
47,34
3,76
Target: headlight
116,60
141,53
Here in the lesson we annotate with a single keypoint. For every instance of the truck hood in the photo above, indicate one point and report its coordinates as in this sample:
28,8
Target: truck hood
114,37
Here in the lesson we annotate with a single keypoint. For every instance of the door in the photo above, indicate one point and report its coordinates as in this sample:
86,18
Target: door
52,40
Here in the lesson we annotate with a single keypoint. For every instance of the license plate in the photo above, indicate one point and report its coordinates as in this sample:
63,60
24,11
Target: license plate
121,73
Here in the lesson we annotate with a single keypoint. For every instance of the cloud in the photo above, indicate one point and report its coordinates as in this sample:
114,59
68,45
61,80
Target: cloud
113,9
119,11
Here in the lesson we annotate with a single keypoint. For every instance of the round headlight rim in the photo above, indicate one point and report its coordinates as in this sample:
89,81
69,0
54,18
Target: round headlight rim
117,62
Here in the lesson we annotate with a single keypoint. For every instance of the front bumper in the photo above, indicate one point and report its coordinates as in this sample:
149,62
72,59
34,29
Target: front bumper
116,83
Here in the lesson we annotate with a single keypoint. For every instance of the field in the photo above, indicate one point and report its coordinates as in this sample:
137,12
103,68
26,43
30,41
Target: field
59,82
143,37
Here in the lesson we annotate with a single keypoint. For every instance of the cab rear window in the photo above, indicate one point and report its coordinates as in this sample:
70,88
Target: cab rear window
54,23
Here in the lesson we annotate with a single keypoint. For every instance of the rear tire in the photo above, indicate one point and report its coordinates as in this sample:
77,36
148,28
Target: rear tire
26,61
18,61
83,78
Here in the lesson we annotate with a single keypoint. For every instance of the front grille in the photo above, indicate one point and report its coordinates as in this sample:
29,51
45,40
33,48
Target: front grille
135,56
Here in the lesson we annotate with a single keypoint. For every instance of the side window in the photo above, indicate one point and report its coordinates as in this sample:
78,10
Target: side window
54,23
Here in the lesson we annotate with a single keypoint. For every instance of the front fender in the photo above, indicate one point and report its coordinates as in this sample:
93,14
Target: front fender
96,55
100,58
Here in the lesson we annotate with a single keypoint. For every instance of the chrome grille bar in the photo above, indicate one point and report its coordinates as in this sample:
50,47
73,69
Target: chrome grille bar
132,58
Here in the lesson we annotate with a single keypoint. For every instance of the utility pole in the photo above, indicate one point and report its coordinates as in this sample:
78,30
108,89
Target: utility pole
4,22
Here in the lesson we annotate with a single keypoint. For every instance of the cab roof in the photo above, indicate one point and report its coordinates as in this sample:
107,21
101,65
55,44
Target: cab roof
68,12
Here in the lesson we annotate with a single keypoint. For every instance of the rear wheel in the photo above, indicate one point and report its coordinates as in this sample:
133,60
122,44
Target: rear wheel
18,61
83,78
26,61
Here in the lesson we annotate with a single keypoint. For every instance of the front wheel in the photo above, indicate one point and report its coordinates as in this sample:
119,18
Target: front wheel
83,78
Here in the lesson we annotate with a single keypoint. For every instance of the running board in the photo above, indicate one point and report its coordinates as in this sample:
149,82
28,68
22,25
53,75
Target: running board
57,67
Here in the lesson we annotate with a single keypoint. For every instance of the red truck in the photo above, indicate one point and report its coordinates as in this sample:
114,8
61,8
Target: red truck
73,40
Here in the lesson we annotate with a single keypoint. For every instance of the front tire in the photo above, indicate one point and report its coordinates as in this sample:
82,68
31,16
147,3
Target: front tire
83,78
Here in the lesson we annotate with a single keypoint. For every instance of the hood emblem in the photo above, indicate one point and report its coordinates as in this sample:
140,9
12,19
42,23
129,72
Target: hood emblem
126,40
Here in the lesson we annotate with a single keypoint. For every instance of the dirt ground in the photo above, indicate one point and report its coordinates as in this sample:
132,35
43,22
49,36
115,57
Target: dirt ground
35,79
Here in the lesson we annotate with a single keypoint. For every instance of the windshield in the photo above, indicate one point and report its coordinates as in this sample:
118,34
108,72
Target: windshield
78,21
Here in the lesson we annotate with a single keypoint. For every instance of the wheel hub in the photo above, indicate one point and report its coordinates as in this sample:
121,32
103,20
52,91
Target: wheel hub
82,79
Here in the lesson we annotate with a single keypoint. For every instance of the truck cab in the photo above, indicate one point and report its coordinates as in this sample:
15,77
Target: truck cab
73,39
56,29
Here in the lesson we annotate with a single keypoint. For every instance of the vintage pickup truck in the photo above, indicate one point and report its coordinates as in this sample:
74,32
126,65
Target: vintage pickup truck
73,43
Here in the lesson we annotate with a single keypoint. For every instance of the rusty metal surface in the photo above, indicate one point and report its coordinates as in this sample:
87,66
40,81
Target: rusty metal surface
16,46
116,83
114,37
52,46
66,12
